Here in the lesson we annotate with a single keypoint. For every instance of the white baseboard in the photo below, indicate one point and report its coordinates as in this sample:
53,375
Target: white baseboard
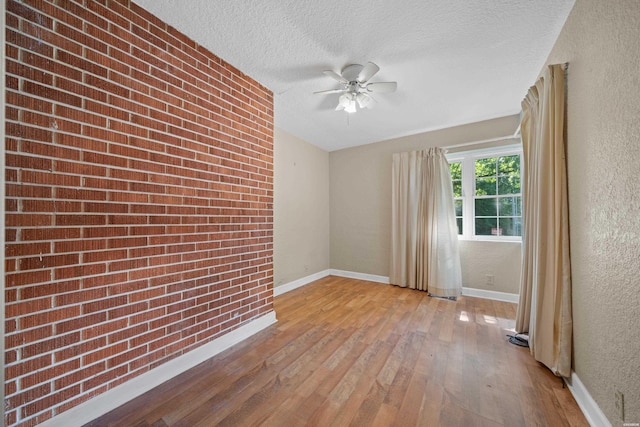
589,407
360,276
494,295
111,399
281,289
472,292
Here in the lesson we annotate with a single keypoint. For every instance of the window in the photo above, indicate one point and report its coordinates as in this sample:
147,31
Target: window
487,195
458,201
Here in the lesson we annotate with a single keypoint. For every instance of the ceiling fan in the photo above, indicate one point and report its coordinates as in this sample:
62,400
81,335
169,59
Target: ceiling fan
356,88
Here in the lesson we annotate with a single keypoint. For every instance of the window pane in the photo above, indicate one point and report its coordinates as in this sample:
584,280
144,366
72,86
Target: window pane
456,170
457,189
487,207
509,185
486,167
496,198
509,165
511,226
458,205
486,226
485,186
510,206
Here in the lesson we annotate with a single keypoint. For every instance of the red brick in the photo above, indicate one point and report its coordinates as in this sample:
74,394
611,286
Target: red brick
77,376
159,170
104,304
80,168
125,334
116,14
79,349
104,280
26,307
164,342
127,264
27,162
28,43
146,316
26,278
29,14
48,234
80,220
49,317
76,271
23,131
21,70
17,400
26,337
25,249
104,353
80,297
96,381
51,400
108,136
24,367
52,94
50,345
104,35
126,357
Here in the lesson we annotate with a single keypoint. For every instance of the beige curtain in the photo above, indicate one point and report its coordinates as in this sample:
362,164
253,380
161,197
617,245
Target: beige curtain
544,309
424,236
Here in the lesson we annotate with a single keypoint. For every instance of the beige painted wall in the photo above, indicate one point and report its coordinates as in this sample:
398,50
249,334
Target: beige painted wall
360,206
502,260
301,208
601,42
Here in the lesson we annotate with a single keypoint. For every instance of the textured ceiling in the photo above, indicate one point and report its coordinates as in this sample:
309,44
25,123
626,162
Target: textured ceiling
455,61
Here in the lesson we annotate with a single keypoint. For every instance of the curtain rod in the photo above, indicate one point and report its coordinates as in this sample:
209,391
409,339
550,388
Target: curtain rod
482,141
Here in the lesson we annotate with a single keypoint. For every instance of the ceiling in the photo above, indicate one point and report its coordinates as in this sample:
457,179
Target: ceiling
455,61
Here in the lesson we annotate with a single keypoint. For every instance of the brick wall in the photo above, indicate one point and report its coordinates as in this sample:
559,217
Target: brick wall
139,180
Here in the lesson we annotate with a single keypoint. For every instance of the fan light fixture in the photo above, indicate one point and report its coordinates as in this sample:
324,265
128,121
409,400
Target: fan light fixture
349,100
356,89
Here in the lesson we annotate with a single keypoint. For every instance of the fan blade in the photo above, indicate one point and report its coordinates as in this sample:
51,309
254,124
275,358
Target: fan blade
326,92
367,72
382,87
335,76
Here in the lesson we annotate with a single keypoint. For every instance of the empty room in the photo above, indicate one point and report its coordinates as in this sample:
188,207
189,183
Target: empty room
278,213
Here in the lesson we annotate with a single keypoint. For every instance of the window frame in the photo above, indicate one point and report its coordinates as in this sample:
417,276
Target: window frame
467,160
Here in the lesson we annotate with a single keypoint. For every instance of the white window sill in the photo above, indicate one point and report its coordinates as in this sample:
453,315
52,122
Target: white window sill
490,239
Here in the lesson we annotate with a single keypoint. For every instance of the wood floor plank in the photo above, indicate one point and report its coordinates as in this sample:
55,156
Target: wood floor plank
350,352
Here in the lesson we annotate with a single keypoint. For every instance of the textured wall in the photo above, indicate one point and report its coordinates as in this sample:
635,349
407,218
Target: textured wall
360,191
601,42
139,200
501,259
300,209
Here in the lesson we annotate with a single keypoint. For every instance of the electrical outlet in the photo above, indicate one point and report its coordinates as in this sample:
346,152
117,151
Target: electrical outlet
489,279
620,404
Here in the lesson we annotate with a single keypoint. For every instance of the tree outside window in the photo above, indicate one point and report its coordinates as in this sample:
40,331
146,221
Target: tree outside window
456,178
497,201
487,193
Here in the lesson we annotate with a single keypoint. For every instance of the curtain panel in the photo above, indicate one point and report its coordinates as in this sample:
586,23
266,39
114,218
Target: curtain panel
544,309
424,236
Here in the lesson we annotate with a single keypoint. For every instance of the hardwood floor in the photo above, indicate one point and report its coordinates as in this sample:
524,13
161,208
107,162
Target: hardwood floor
349,352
